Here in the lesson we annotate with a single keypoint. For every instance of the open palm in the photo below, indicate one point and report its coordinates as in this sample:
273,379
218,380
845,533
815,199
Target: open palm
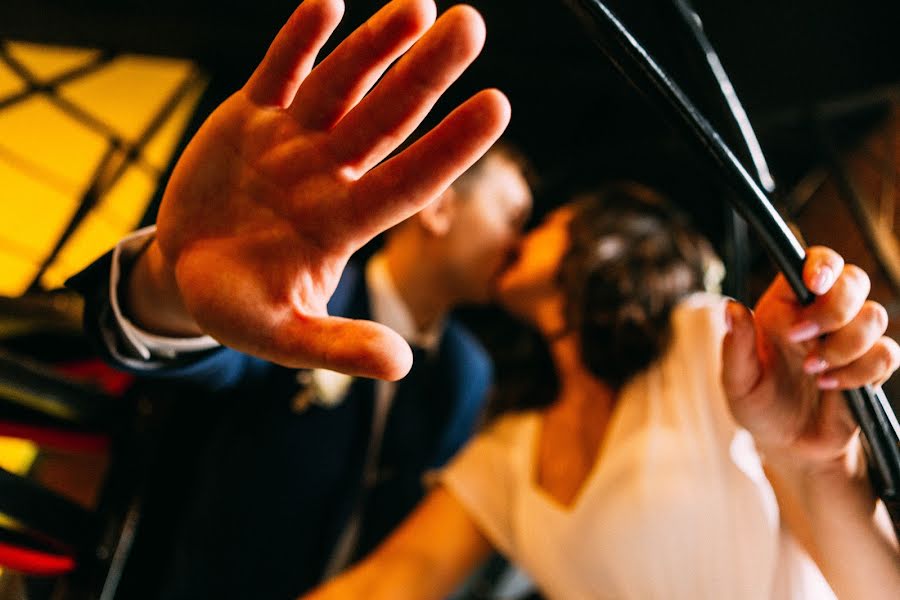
287,178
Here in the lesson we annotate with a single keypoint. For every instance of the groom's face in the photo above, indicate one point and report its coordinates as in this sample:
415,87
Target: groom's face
490,210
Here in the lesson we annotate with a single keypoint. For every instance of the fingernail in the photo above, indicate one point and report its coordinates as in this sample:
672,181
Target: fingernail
822,279
729,319
814,365
827,383
802,332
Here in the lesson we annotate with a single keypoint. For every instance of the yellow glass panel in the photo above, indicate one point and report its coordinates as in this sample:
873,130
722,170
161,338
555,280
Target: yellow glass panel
118,213
16,274
92,238
7,521
158,152
41,133
128,92
46,62
16,456
125,203
10,83
33,215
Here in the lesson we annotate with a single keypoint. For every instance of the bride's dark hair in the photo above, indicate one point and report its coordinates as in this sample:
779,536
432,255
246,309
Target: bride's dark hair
631,258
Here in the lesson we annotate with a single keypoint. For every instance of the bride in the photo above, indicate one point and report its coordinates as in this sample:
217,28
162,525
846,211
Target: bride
691,449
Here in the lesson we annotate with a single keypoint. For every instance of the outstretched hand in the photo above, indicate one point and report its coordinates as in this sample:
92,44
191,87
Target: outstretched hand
784,367
287,178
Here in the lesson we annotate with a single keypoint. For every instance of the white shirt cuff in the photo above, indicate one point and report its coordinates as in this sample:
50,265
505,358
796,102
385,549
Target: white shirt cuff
143,343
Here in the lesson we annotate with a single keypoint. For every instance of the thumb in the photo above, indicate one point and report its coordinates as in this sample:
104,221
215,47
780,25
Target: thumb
354,347
741,367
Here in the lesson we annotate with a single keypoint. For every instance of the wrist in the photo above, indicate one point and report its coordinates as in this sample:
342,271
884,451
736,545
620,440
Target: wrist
153,299
828,480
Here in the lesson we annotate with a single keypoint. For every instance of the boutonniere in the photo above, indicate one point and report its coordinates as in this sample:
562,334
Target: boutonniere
321,387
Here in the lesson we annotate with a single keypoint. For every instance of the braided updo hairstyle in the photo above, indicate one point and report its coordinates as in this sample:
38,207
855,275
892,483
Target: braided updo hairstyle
631,259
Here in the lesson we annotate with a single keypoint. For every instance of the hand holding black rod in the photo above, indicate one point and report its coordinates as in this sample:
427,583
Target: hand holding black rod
878,424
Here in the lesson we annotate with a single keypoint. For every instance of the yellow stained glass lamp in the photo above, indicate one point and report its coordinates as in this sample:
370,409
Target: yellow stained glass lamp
84,139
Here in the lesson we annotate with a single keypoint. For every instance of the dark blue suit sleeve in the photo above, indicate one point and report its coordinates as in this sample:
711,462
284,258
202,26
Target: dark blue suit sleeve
214,370
474,371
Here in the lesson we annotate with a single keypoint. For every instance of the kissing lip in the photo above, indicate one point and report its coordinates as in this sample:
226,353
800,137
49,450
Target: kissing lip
511,258
505,266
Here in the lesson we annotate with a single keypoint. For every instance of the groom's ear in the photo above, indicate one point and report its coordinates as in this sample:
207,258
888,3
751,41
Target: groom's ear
437,218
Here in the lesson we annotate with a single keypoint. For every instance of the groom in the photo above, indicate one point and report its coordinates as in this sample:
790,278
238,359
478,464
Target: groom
288,177
312,468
